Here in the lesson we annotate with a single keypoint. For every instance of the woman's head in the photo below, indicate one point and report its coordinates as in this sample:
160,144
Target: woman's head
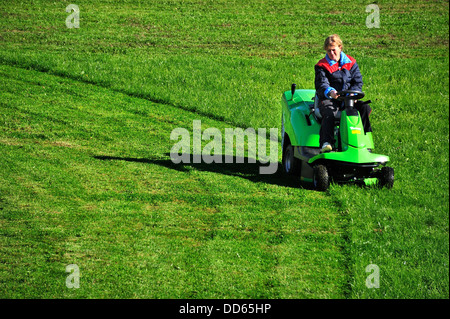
333,46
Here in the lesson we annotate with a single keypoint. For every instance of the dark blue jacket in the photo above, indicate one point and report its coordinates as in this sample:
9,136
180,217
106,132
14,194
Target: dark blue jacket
342,75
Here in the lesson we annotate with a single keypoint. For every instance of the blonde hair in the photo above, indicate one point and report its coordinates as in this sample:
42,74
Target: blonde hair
333,39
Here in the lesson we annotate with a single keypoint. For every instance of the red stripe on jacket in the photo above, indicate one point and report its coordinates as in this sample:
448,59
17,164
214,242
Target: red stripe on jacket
323,63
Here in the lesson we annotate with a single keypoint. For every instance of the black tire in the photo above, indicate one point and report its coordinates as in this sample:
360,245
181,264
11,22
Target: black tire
291,165
321,179
386,178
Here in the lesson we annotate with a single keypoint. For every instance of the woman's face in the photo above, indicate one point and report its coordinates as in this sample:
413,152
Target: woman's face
334,52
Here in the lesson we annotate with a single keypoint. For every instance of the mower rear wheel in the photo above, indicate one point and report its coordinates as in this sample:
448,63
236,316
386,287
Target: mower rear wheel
386,177
321,179
291,165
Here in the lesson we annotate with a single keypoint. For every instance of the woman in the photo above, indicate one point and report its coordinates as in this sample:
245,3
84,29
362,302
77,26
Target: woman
336,72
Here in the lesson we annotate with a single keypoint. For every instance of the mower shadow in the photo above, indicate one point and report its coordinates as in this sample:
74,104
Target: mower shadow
231,165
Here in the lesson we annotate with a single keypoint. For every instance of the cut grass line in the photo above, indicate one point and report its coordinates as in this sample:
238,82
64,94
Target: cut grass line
346,241
139,95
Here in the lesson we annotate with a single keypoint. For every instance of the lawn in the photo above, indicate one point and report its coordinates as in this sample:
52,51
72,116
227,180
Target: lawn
86,176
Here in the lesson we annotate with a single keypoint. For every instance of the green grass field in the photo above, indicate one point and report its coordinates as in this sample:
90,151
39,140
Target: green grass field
86,177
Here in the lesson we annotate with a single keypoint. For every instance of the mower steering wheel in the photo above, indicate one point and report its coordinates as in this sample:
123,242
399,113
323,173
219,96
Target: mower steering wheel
350,94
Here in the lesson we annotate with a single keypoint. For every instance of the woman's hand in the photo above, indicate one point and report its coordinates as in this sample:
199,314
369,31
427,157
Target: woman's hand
334,94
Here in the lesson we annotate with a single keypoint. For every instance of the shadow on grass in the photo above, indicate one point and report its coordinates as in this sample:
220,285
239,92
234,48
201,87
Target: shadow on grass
231,165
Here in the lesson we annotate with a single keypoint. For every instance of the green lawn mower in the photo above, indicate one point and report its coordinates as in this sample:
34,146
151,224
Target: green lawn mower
352,159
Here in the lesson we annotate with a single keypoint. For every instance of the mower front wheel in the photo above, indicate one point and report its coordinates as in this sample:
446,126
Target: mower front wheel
386,177
321,178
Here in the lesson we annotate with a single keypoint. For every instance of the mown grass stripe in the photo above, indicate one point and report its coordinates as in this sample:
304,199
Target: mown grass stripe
130,217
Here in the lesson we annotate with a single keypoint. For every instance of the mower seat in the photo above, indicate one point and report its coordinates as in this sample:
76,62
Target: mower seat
317,114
